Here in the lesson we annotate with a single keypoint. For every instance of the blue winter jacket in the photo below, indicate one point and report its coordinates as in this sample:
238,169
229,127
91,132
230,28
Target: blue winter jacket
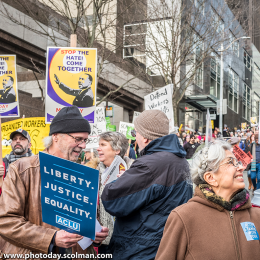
143,197
242,145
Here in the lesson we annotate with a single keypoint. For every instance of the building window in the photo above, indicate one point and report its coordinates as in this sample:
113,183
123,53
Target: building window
246,104
257,72
85,21
199,4
199,77
247,60
215,76
233,91
234,44
194,65
134,41
255,105
193,118
217,22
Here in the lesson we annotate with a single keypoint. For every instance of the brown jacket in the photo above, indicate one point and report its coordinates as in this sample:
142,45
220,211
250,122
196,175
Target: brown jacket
201,229
21,228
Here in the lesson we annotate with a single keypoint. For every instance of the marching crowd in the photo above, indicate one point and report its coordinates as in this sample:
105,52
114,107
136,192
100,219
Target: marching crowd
151,211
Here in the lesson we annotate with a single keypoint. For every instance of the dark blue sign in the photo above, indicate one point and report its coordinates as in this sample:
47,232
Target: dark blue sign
68,195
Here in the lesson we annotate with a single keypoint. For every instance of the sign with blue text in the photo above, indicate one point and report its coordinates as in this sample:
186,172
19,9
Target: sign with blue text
68,195
250,231
71,80
9,104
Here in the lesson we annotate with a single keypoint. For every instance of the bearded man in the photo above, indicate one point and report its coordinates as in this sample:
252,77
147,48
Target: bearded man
21,143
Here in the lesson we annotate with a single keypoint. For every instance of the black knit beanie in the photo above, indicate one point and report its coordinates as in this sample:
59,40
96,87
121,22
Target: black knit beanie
69,120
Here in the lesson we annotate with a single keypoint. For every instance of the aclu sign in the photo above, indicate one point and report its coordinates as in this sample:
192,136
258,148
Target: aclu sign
68,195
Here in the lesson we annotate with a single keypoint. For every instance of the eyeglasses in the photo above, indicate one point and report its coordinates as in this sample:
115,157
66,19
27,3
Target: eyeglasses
79,140
233,161
133,133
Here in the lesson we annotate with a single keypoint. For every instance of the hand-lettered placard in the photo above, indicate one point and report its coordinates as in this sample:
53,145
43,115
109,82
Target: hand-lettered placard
250,155
241,156
97,128
36,128
123,127
68,195
136,114
161,99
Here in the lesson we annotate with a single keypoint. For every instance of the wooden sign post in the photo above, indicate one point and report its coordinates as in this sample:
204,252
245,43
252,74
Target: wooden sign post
73,40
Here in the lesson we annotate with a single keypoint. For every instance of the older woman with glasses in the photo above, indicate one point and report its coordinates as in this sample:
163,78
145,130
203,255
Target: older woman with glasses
219,221
110,145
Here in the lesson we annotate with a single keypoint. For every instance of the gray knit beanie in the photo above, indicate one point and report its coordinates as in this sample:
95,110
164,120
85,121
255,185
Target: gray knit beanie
152,124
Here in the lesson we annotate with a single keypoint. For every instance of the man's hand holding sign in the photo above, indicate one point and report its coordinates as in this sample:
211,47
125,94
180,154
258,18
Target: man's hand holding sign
66,240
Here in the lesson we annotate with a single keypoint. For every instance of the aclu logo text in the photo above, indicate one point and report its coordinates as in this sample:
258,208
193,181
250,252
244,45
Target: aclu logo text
67,223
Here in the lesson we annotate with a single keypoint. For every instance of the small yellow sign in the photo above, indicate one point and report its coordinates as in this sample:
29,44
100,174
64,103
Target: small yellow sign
243,125
212,124
36,128
253,120
9,106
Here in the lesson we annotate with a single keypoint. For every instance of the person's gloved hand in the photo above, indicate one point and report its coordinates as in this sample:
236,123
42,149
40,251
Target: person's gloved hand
2,170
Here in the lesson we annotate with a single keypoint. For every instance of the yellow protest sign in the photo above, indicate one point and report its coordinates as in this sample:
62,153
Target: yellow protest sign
243,125
35,126
71,80
212,124
180,127
8,87
253,121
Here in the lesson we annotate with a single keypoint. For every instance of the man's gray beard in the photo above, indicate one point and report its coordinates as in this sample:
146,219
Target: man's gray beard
19,151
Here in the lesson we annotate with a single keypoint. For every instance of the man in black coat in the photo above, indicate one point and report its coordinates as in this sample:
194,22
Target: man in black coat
84,95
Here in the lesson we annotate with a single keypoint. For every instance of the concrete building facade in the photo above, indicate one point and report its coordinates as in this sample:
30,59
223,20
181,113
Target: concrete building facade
240,69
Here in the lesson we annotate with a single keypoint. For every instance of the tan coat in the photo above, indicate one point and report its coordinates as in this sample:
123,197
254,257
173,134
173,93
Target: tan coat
21,227
201,229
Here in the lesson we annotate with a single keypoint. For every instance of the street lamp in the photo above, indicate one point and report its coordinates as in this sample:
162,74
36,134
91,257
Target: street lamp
221,81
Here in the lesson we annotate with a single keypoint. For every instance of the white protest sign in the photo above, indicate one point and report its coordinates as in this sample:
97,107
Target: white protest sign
97,128
161,99
136,114
123,127
111,173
